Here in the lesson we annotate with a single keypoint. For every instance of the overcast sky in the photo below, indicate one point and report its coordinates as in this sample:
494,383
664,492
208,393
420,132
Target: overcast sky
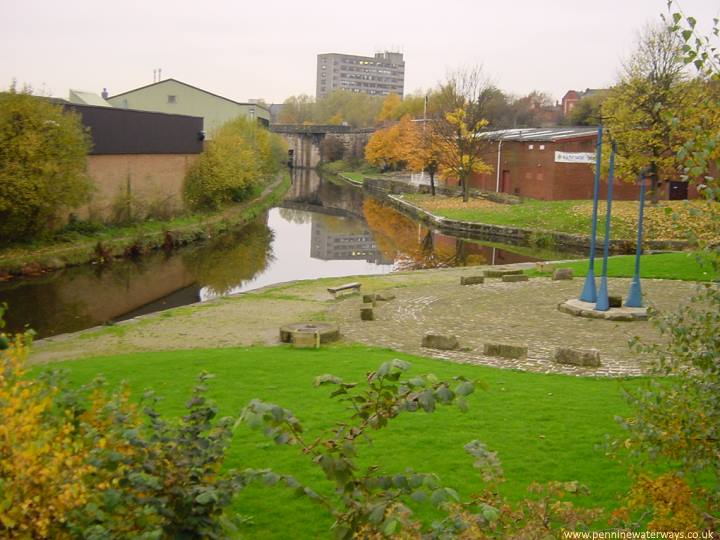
268,49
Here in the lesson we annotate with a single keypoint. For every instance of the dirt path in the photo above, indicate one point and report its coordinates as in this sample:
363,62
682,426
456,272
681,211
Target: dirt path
429,300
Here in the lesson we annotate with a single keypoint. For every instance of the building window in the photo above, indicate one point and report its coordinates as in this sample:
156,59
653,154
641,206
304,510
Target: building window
172,99
531,146
542,147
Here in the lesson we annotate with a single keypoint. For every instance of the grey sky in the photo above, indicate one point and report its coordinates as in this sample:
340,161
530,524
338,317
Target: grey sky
268,49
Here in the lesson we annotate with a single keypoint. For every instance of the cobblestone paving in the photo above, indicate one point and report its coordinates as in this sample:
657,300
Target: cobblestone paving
523,313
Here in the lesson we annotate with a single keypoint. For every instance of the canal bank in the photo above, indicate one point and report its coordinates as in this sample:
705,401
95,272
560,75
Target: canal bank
142,239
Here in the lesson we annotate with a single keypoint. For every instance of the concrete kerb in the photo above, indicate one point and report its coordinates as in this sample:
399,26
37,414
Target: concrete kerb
578,308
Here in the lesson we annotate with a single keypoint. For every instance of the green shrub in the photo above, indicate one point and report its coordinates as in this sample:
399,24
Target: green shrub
42,164
240,156
82,462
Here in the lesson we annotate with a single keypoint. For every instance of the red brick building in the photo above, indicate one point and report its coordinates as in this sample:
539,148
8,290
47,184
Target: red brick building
549,164
569,100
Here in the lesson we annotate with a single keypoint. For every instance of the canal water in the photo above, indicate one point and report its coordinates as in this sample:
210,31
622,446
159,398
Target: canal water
322,228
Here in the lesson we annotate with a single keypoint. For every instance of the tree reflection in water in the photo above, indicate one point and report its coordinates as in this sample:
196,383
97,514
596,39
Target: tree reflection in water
225,262
413,246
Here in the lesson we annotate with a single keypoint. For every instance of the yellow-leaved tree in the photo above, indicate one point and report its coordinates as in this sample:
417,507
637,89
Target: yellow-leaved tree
241,156
80,462
390,104
639,111
43,153
423,150
387,148
462,106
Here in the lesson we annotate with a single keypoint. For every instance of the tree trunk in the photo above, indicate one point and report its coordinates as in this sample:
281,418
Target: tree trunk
465,189
460,252
432,183
654,185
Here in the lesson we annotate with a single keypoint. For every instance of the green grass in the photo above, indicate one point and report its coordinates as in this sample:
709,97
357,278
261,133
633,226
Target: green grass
353,169
669,220
544,427
531,214
356,177
683,266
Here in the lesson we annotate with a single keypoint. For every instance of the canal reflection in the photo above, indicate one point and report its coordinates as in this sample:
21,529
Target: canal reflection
321,229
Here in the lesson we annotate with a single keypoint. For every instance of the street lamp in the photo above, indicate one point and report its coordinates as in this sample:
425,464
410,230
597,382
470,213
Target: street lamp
603,302
589,292
634,298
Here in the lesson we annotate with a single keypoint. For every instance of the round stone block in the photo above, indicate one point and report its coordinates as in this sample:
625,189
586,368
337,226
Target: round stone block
328,331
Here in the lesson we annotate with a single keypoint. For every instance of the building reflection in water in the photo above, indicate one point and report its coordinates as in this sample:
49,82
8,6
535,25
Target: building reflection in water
353,241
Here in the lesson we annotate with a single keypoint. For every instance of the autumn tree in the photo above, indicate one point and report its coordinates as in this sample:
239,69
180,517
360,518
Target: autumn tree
297,110
394,107
353,108
241,156
675,423
43,154
638,111
461,118
387,148
389,107
423,150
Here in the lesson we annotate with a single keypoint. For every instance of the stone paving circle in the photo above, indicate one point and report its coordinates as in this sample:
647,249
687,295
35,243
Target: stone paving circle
523,312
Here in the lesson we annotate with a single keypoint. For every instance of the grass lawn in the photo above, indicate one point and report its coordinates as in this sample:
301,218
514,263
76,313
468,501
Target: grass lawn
356,177
669,220
684,266
544,427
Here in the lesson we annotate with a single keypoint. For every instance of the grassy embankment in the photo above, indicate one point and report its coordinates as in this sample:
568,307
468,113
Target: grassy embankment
669,220
352,171
544,427
73,248
683,266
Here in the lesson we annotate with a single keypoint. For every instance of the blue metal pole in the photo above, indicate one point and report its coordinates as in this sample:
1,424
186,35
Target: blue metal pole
589,293
634,298
603,304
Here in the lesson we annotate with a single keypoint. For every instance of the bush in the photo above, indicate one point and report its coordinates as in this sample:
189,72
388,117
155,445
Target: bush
42,164
82,463
240,156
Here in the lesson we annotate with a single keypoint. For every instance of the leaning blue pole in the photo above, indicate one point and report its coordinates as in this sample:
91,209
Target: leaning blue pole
603,304
589,293
634,298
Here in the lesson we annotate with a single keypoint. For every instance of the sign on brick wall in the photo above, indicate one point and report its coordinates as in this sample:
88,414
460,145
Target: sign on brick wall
574,157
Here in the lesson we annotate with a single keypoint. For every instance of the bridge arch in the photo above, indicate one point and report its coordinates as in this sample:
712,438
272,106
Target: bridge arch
304,141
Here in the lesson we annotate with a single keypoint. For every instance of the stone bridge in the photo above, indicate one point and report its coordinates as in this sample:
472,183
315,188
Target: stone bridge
304,142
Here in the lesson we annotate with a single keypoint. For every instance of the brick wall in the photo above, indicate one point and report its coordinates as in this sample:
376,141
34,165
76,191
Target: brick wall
152,180
528,169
